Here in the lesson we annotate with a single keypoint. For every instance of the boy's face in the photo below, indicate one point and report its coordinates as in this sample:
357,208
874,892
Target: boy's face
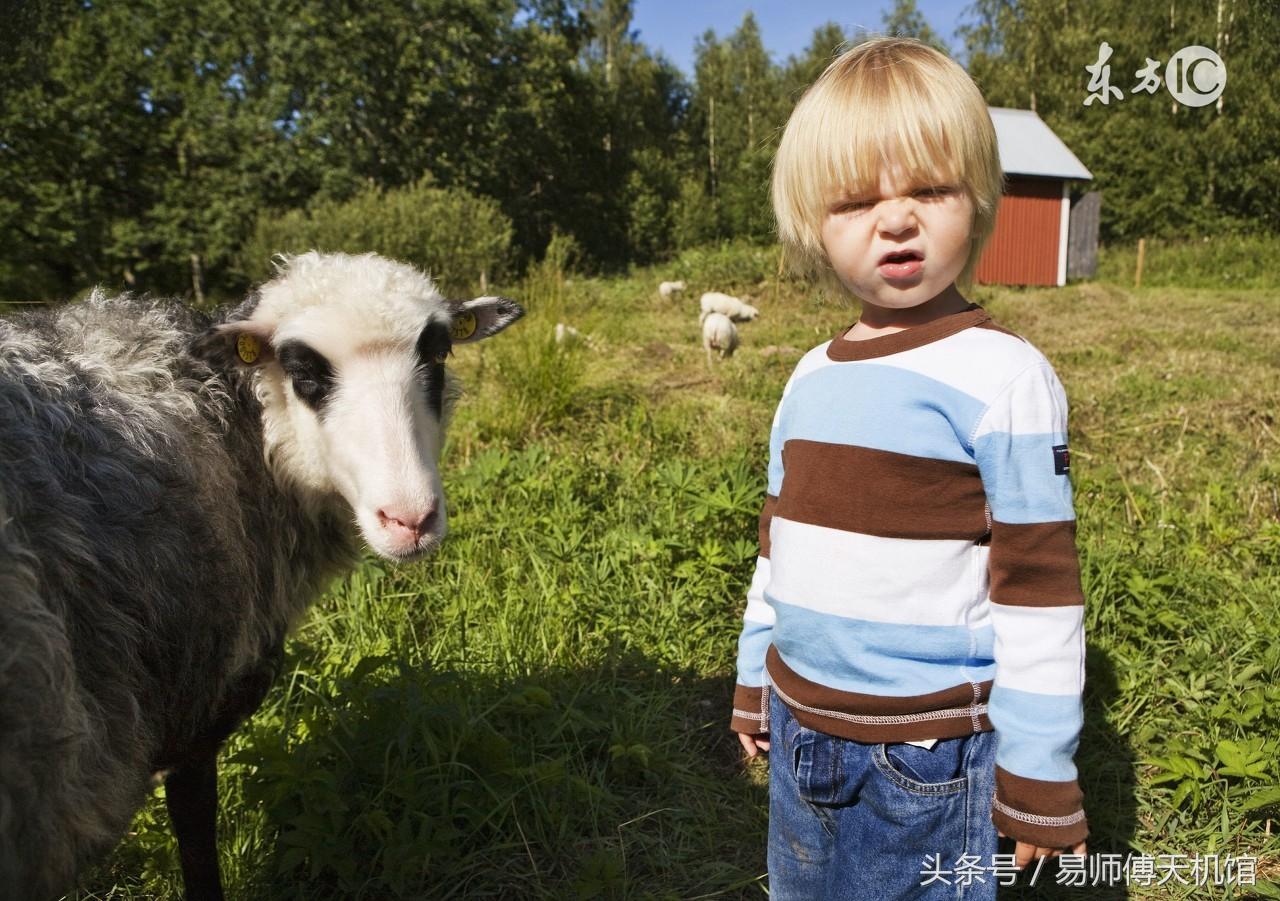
902,247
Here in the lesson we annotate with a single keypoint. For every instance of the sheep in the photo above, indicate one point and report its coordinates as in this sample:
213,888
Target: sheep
718,333
174,491
566,333
735,309
669,290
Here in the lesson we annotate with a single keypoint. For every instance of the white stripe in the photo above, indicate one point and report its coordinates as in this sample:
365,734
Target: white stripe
812,361
1034,404
1039,649
758,610
885,580
951,361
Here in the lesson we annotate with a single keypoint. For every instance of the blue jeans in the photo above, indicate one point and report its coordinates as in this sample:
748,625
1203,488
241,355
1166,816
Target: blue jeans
854,820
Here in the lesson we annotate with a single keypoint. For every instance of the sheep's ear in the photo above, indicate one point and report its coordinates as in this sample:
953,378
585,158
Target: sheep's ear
241,343
482,317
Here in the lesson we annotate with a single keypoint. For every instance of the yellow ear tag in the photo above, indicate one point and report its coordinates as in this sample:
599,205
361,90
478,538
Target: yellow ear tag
463,327
247,348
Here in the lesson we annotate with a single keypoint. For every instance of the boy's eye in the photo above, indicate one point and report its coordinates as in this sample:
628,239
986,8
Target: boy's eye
935,191
852,206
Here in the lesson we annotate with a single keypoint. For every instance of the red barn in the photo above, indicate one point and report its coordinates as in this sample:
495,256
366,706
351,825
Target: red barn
1029,245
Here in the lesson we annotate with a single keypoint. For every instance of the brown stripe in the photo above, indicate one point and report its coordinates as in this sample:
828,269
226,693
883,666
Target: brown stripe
1037,797
749,700
1035,564
766,517
877,492
827,701
843,350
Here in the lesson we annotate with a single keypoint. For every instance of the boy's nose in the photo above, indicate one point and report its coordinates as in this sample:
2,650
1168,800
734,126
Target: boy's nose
897,216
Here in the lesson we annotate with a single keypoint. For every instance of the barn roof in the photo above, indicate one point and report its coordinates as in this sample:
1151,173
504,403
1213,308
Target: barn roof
1029,147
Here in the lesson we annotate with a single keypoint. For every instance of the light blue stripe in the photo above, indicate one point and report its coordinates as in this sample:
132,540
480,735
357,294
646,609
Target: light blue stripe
864,656
1037,733
1018,477
775,462
884,408
753,643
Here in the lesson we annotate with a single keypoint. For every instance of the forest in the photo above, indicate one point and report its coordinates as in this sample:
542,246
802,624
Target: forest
172,146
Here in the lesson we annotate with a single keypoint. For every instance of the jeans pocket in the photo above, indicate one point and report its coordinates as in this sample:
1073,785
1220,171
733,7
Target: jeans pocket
940,770
816,758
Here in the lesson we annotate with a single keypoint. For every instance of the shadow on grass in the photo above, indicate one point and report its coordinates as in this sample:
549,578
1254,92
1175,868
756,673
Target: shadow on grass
619,783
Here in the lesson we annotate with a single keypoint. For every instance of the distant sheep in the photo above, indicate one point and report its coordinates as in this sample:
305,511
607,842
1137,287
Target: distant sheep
735,309
719,333
669,290
566,333
174,492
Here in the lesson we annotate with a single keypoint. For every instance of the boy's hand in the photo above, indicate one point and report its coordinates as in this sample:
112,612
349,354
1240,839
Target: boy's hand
1024,853
754,744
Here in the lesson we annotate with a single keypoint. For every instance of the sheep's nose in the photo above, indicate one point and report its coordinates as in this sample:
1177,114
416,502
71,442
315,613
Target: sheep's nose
407,523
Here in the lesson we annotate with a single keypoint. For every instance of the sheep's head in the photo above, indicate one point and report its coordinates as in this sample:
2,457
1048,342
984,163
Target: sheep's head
349,354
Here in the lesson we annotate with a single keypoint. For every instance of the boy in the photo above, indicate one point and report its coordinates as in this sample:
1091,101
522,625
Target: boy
913,643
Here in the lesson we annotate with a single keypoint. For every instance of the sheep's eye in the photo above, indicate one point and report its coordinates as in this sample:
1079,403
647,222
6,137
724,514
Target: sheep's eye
434,347
309,372
434,344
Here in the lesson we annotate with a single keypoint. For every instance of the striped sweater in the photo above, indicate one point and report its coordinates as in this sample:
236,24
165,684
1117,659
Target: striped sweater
917,575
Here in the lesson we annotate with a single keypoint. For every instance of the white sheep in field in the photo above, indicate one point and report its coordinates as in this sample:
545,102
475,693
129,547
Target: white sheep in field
719,333
566,333
669,290
735,309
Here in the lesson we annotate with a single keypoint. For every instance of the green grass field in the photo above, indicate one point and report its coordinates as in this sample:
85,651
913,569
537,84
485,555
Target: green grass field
541,710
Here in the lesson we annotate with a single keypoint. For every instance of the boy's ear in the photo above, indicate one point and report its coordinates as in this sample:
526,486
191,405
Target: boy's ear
482,317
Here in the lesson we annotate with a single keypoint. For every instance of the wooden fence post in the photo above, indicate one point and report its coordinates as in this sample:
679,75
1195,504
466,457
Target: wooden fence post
1142,252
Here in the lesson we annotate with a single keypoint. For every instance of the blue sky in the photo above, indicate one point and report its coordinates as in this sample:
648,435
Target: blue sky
786,25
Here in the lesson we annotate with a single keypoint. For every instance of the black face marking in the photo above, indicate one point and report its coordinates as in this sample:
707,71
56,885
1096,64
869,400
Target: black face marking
434,345
311,374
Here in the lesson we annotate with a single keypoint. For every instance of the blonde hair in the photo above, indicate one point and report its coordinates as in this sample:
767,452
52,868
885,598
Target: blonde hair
888,100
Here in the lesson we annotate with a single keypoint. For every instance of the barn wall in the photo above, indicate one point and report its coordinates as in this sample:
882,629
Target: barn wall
1023,250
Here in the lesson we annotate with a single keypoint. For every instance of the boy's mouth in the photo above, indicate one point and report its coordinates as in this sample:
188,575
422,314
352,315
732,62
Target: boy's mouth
901,264
900,256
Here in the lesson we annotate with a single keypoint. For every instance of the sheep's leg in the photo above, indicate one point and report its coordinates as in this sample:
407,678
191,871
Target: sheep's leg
191,791
191,794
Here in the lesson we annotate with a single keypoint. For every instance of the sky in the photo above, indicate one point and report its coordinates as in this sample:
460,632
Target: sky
786,25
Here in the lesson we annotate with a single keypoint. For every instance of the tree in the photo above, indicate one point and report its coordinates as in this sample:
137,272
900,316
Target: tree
829,41
906,20
737,112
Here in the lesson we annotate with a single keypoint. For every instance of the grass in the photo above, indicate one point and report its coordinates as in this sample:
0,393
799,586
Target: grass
1217,262
541,710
